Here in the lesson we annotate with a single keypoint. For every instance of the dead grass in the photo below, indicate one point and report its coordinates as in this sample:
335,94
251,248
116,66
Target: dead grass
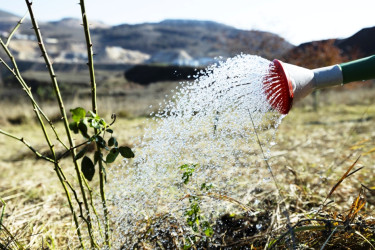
35,214
314,150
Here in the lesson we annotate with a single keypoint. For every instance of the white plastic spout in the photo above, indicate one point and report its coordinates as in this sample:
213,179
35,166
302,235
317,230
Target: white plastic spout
304,81
328,76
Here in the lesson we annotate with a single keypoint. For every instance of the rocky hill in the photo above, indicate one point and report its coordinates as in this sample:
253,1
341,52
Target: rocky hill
198,38
170,42
169,46
200,41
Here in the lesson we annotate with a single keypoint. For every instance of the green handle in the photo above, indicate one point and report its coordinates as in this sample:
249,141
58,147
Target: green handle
358,70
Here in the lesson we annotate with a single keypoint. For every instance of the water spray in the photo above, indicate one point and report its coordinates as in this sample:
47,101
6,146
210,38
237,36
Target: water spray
285,83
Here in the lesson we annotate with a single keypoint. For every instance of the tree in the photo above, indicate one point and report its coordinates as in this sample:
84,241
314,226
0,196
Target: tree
315,55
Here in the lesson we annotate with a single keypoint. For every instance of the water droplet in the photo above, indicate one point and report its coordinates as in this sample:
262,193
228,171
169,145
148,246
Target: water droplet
210,123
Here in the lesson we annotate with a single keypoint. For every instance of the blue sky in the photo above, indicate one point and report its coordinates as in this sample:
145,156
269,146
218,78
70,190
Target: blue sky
297,21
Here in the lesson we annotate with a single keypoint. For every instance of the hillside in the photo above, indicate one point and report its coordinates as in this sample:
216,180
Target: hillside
7,16
326,52
200,40
170,42
361,42
197,38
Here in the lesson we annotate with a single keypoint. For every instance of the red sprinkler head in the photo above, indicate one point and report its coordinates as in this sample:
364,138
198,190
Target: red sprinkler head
278,87
285,83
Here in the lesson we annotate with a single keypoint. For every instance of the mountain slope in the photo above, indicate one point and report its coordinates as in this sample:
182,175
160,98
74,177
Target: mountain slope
197,38
325,52
7,20
363,42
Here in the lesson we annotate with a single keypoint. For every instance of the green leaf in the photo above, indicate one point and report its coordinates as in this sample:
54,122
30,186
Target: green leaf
111,157
188,167
126,152
189,170
83,128
186,177
102,122
207,229
109,130
87,168
73,126
81,153
112,141
206,187
101,142
78,114
187,246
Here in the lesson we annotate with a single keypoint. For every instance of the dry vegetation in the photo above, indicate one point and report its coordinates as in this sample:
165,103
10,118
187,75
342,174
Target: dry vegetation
314,151
323,164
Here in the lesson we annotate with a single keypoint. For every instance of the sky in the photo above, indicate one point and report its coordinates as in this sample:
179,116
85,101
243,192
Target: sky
296,21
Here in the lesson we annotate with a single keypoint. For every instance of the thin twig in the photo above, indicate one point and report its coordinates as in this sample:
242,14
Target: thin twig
296,229
12,238
363,237
70,149
2,227
66,125
333,189
15,29
354,171
285,212
27,89
329,237
292,234
79,145
93,207
2,211
90,55
265,158
39,155
90,64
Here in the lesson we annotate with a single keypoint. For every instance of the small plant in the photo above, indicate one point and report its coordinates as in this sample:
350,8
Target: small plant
194,219
81,124
188,172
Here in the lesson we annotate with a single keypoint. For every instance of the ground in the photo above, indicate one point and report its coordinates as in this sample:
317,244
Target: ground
314,150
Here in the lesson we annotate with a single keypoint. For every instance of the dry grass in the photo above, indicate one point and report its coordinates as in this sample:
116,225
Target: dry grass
314,151
36,212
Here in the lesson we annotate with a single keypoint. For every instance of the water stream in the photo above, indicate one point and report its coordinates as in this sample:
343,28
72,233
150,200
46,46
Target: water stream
209,127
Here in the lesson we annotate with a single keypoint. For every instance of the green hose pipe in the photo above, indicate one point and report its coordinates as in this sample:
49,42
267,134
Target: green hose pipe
358,70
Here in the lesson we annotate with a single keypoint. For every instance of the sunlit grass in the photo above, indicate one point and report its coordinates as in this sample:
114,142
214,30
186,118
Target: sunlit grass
313,151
